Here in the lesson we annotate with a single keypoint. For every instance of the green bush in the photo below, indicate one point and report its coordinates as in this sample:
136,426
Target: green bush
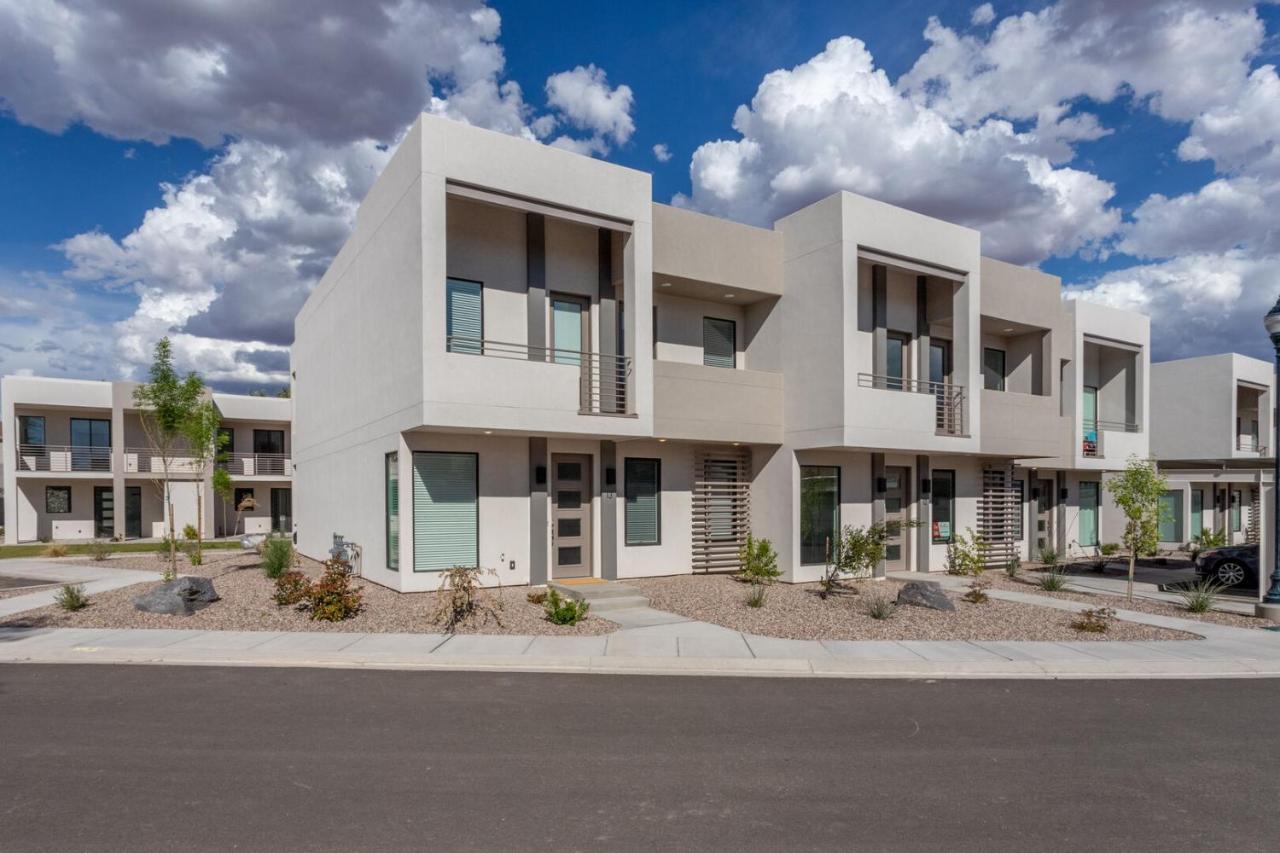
291,588
1050,557
564,611
759,568
190,533
277,557
72,597
332,598
195,556
1013,568
1109,549
1053,581
1200,598
99,550
967,554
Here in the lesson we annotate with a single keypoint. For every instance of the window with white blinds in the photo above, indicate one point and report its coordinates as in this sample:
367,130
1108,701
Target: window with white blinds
642,510
393,511
719,342
464,315
446,517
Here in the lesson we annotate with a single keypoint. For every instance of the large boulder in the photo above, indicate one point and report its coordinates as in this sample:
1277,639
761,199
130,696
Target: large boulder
180,597
925,594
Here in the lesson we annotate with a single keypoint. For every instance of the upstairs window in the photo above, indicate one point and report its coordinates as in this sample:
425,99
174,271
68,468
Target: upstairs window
719,342
31,429
464,316
993,369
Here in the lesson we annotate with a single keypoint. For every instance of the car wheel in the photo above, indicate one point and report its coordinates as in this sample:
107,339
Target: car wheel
1229,573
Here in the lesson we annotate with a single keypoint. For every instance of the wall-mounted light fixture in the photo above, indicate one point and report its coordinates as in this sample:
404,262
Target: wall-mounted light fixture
540,475
1063,493
926,486
610,476
881,485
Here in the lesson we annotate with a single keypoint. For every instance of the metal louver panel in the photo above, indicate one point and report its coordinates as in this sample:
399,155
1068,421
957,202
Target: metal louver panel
446,518
464,315
721,508
718,342
998,514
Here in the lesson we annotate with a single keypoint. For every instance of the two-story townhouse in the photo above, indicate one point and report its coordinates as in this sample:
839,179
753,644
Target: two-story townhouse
80,465
1213,416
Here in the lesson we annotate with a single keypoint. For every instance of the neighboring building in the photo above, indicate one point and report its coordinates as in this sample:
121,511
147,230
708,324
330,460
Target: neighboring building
1212,418
519,361
78,466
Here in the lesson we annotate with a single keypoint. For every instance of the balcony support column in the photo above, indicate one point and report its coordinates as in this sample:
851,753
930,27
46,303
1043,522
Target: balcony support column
877,501
879,319
924,514
608,324
539,521
608,511
121,397
922,329
536,275
1060,511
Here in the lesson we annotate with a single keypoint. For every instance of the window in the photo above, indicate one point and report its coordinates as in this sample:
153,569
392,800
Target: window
939,361
268,441
1197,512
895,361
943,501
642,510
719,342
993,369
90,444
1235,511
241,495
1088,514
392,478
569,331
819,513
1170,517
464,316
31,429
1019,495
446,511
57,499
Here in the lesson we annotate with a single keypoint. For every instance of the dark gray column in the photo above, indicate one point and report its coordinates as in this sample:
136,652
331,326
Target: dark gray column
924,513
539,525
609,397
879,319
608,510
1060,511
922,328
536,276
877,500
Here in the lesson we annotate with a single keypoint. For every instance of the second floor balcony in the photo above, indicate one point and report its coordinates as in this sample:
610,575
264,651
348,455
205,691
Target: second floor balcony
603,381
1110,439
948,407
63,459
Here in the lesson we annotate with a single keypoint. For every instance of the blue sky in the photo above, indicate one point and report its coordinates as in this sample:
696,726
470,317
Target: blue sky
1100,159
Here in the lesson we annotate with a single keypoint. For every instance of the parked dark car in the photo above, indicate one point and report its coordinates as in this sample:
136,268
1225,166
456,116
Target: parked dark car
1231,566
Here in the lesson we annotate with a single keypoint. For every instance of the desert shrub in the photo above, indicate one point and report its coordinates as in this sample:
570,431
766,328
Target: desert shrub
967,554
537,596
462,598
1109,549
72,597
190,533
333,598
881,607
1050,557
1200,598
291,588
857,554
977,593
277,557
564,611
759,568
1094,620
1053,581
1013,568
54,550
99,549
195,556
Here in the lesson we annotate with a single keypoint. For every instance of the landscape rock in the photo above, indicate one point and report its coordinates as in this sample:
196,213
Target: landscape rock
180,597
925,594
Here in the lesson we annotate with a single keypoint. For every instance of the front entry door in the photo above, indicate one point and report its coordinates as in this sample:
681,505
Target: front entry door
133,512
570,516
896,500
104,512
1044,518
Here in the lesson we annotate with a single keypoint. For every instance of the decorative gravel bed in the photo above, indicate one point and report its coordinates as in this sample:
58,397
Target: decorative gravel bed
794,611
247,605
1030,582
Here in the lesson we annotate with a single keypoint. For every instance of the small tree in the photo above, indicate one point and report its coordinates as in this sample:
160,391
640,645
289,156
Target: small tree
859,552
1137,492
247,504
165,405
759,567
221,482
967,555
205,443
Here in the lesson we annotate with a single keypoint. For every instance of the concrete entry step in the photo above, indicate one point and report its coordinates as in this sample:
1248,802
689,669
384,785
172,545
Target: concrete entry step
604,596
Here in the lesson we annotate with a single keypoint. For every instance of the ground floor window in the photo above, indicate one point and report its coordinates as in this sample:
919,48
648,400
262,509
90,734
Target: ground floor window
943,504
1235,510
642,513
393,511
446,511
241,496
819,512
57,499
1197,512
1171,517
1088,514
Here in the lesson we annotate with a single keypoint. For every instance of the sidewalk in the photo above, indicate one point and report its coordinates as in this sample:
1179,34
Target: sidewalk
96,578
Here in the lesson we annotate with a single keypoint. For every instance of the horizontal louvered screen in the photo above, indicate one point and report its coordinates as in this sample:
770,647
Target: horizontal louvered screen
643,488
446,518
718,342
464,315
721,508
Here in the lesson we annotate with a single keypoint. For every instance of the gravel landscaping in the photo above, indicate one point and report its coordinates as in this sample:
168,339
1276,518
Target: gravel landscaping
794,611
247,605
1030,582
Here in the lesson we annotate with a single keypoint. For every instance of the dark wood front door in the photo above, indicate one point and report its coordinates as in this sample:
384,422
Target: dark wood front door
571,516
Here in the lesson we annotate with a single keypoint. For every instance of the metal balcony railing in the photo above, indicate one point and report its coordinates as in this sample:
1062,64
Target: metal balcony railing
604,379
948,398
1090,429
257,464
1250,443
63,458
144,460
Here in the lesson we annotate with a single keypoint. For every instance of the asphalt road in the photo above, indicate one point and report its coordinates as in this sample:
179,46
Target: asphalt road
141,758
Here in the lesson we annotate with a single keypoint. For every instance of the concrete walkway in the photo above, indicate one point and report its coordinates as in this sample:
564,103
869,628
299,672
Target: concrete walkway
97,577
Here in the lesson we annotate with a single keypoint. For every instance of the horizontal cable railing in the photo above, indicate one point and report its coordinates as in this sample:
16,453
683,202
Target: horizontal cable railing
1089,444
1250,443
257,464
145,460
949,399
63,458
604,378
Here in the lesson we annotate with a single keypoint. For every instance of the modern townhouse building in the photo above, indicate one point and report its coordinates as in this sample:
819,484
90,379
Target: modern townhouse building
78,464
519,361
1213,417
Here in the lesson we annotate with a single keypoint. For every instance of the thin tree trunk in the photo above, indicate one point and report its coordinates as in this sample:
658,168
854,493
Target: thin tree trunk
1133,558
200,523
173,536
